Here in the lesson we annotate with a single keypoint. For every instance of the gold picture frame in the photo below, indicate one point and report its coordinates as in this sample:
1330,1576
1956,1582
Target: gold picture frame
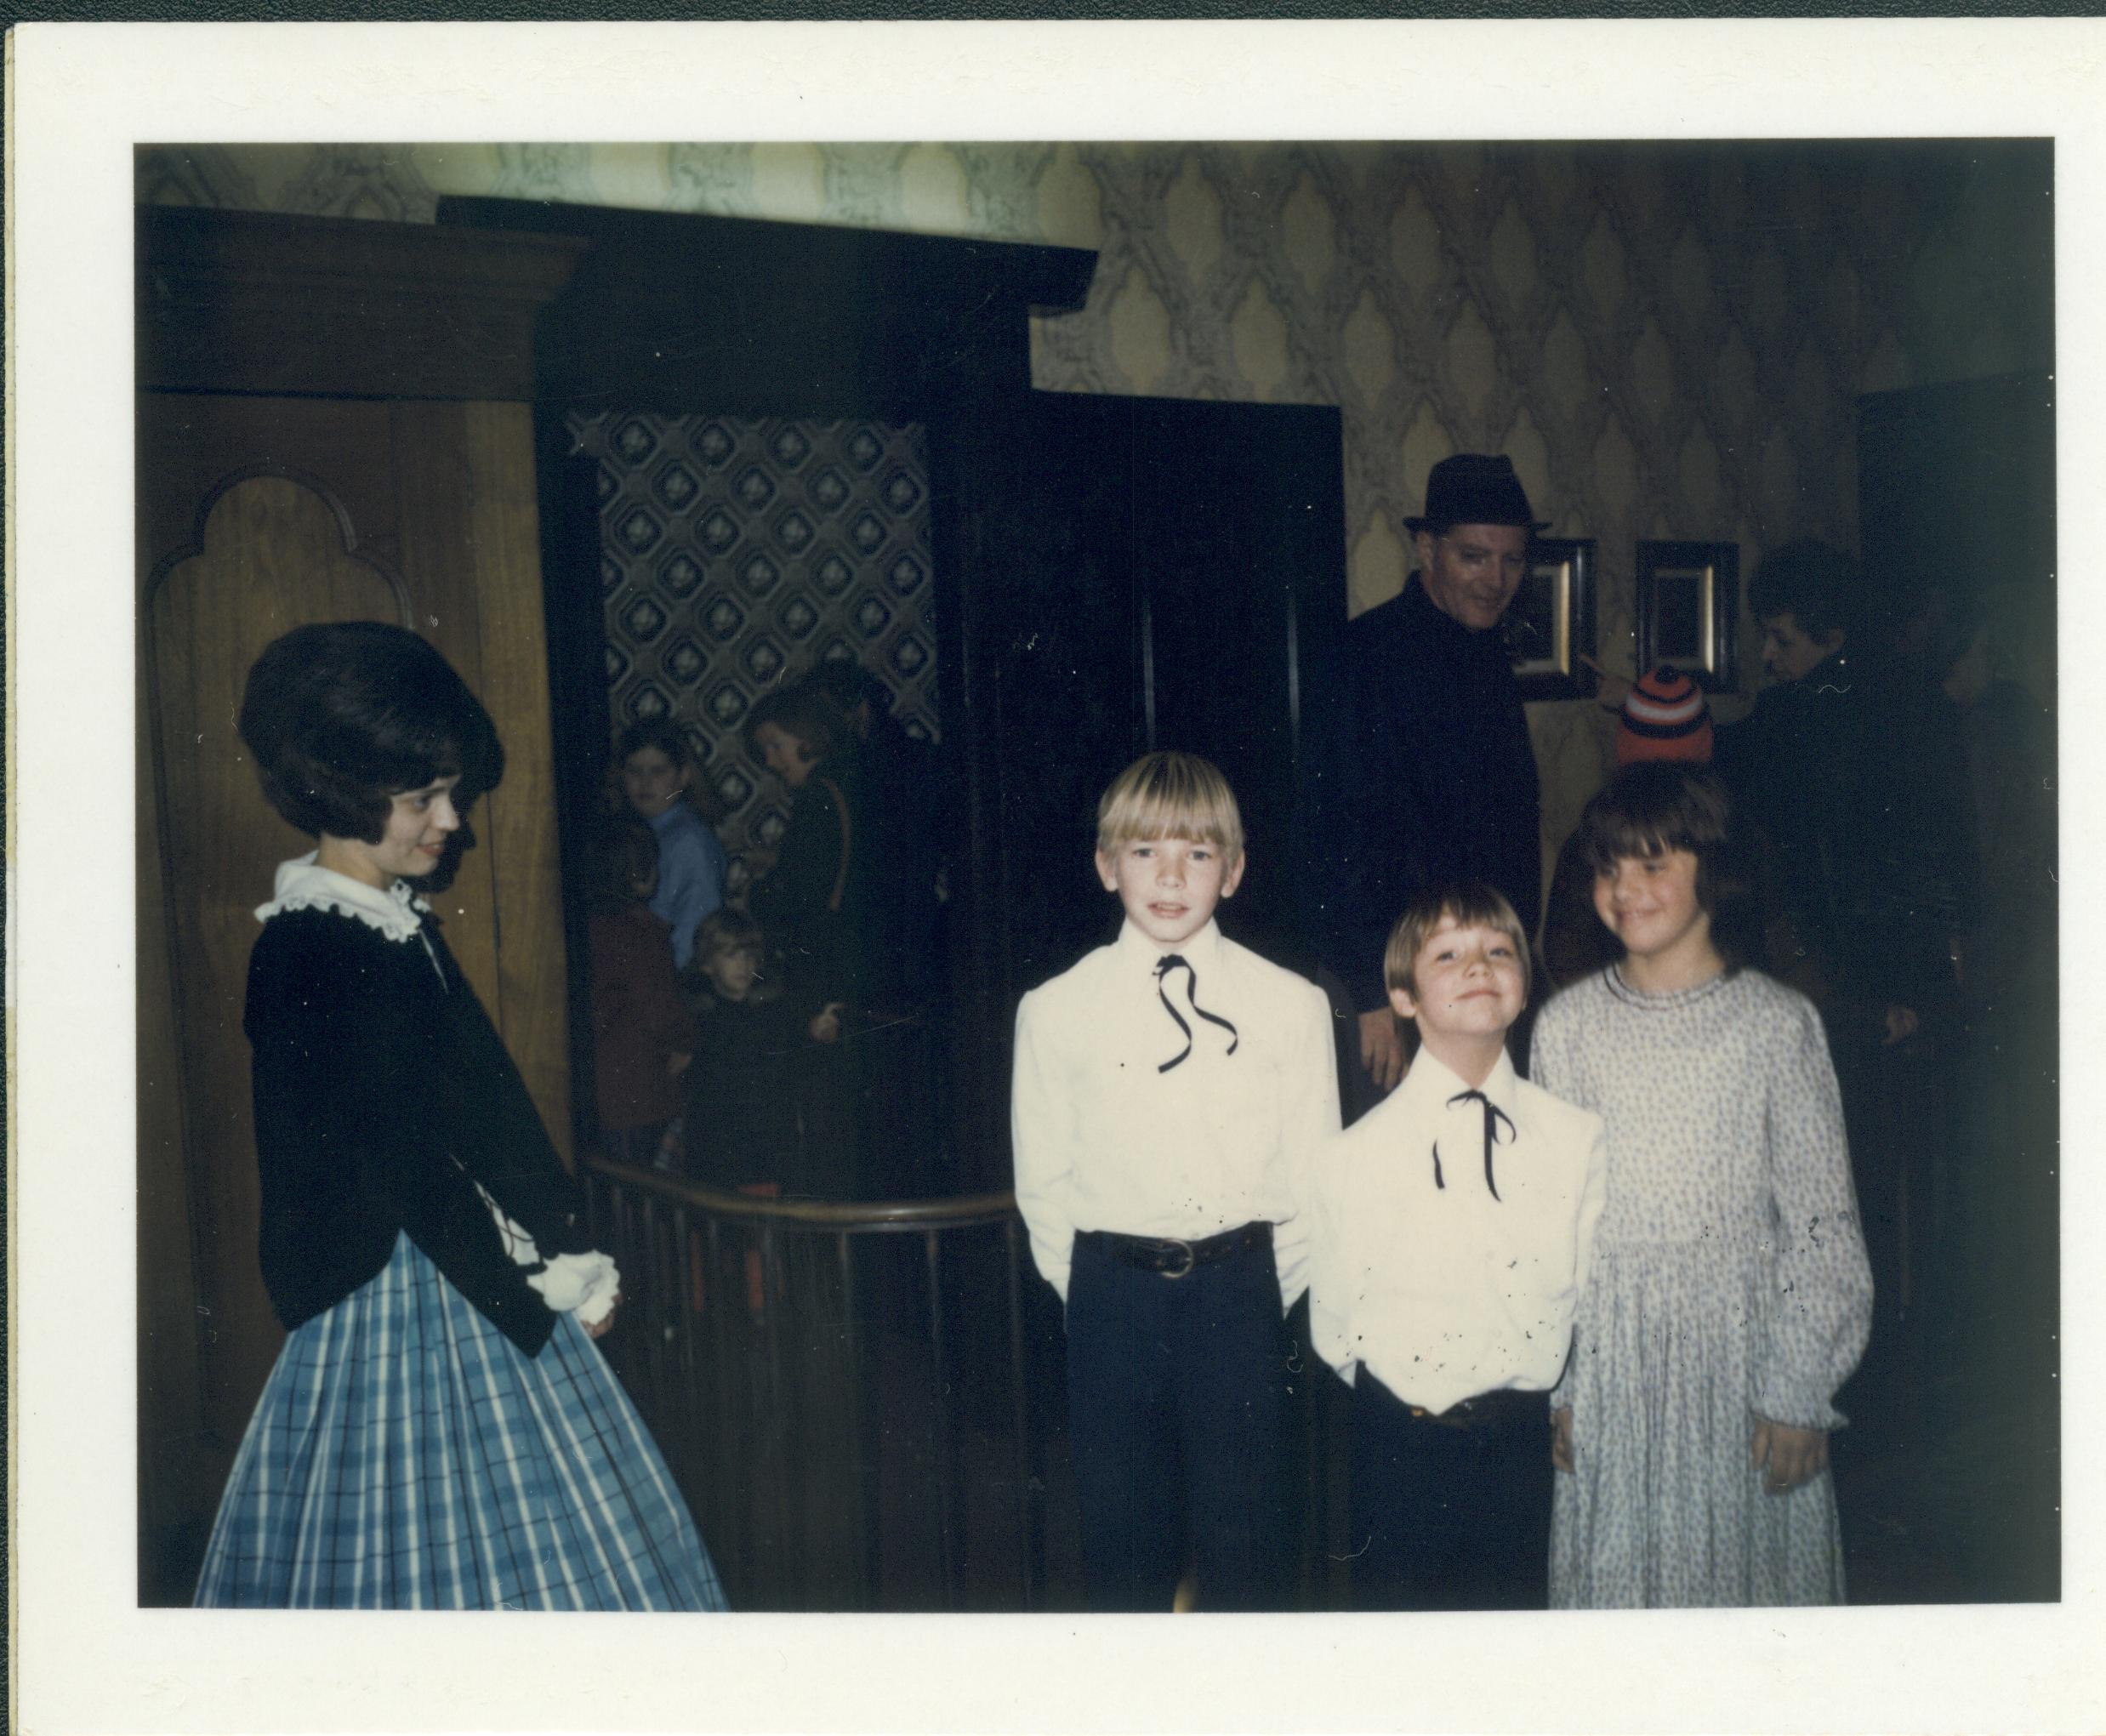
1549,627
1688,602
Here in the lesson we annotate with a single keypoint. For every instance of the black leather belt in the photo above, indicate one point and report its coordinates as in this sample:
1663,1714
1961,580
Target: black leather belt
1484,1411
1167,1257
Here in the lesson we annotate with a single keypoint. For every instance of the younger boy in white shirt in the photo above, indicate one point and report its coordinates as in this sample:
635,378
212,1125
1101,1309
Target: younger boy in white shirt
1452,1228
1164,1088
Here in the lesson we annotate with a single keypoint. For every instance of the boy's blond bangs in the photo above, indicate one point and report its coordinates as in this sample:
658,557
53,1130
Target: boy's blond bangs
1171,795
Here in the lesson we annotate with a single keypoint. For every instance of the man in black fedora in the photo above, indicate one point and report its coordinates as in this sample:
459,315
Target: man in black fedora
1439,780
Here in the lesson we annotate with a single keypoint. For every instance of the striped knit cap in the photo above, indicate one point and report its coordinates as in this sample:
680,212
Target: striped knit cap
1664,718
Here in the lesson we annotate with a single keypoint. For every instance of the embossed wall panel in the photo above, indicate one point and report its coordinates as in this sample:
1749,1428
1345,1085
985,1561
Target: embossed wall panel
736,555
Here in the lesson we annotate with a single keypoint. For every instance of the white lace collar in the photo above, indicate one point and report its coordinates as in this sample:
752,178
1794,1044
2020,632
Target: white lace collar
305,885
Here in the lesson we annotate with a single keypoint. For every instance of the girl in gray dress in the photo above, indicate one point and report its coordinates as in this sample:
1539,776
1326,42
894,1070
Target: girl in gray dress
1730,1295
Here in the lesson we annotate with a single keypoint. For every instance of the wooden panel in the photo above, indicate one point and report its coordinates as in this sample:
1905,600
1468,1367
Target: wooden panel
505,545
190,442
676,311
472,550
432,485
260,302
273,558
179,1467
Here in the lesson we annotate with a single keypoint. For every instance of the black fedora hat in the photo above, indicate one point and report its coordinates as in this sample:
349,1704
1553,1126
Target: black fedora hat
1475,489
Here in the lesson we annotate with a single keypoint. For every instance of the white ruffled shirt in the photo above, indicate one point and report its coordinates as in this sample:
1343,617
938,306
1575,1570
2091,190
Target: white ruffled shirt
583,1284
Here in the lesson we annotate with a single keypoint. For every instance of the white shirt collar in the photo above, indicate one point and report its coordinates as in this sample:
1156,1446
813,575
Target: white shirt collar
304,885
1432,1082
1199,951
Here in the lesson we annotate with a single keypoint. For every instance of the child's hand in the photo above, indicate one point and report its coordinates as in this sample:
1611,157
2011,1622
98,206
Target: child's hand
1560,1438
826,1025
1789,1456
676,1065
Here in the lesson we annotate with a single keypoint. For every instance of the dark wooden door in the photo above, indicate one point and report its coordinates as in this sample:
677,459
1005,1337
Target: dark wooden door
1136,574
1957,491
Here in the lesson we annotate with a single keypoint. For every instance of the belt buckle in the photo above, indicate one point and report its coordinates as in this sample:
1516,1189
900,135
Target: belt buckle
1186,1248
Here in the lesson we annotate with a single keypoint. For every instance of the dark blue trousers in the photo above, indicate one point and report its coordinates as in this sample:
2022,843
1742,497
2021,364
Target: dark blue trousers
1448,1517
1177,1393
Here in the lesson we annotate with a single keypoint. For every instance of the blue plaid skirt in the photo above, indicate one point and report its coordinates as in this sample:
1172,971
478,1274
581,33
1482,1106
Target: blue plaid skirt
406,1454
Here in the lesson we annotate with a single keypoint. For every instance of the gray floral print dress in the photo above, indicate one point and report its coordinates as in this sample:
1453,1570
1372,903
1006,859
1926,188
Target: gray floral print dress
1729,1284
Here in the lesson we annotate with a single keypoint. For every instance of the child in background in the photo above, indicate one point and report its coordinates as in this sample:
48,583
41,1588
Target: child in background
642,1035
657,777
1165,1088
1730,1295
1451,1230
739,1130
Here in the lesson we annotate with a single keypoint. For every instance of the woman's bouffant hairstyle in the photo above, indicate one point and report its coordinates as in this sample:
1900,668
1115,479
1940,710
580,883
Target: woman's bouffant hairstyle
805,713
341,717
1171,795
1656,806
1472,904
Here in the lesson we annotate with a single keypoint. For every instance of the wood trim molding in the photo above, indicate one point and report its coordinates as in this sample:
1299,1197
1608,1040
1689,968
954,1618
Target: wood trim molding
250,301
676,311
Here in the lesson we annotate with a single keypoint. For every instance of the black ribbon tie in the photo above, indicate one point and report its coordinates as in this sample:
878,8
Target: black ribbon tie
1173,961
1494,1115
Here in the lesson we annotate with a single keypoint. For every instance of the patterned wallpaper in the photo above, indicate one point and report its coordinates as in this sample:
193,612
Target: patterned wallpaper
736,555
1669,339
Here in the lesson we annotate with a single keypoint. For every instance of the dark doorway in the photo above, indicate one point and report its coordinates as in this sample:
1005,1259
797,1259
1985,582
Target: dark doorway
1107,574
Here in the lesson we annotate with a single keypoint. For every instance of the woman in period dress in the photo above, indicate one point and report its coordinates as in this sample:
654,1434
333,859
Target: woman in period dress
440,1431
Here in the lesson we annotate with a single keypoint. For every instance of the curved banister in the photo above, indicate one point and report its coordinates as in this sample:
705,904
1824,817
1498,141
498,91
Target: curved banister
809,1372
953,1211
862,1398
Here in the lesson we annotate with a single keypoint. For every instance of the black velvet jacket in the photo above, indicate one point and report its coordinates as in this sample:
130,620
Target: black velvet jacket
1439,781
822,941
374,1072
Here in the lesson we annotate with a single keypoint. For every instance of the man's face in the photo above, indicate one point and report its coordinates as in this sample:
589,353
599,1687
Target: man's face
1790,651
1472,572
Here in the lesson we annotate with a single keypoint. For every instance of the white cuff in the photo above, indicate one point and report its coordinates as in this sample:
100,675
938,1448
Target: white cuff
584,1284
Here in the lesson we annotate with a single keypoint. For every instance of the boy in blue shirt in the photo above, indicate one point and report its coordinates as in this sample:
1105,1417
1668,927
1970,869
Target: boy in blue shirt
1165,1088
657,771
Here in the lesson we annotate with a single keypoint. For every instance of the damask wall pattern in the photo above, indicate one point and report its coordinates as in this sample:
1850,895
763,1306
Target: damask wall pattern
1669,339
738,556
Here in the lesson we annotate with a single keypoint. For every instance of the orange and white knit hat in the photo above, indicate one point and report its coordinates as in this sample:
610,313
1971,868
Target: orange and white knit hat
1664,718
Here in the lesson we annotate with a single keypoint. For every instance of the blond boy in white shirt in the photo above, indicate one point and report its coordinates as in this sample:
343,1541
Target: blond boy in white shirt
1452,1227
1165,1088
